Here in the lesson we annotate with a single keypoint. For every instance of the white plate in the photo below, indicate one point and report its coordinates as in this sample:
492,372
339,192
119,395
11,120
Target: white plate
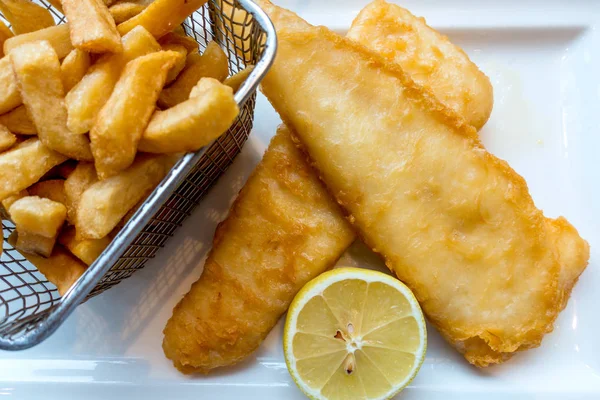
544,59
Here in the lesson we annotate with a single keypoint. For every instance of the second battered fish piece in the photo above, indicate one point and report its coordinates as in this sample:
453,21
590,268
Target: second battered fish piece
283,230
453,222
428,57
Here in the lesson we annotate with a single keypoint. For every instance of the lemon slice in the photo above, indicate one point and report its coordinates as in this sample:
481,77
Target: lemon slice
354,334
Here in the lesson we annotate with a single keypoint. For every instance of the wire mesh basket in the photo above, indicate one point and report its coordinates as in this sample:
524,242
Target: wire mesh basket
31,308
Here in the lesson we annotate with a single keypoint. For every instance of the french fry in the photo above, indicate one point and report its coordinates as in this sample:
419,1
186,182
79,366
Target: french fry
5,34
82,178
87,98
7,202
180,62
32,243
124,117
92,27
190,125
132,211
161,16
74,67
56,4
37,70
237,27
212,64
61,268
57,36
235,81
25,16
121,12
87,250
53,189
9,92
178,30
18,121
7,139
38,215
24,165
105,202
182,39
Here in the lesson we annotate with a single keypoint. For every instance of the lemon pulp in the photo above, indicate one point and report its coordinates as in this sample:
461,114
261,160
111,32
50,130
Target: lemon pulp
353,333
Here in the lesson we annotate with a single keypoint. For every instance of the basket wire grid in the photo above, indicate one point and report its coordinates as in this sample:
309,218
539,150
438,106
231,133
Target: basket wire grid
30,306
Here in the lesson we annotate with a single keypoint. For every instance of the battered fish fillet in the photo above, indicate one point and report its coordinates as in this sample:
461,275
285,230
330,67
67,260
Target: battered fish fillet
283,230
186,341
221,350
428,57
452,221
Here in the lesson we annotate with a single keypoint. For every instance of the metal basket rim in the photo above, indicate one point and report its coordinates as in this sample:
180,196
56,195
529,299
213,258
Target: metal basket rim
86,283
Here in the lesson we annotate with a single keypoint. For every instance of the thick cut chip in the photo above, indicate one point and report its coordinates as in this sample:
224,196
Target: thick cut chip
5,34
33,243
213,63
57,36
428,57
74,67
92,27
25,16
82,178
162,16
53,189
10,98
236,81
124,117
194,123
56,4
61,268
235,25
37,69
7,202
87,98
7,139
422,191
123,11
87,250
18,121
180,62
24,165
38,215
182,39
105,202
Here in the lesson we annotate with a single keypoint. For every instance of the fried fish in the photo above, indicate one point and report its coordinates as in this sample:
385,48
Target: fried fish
452,221
428,57
216,326
283,230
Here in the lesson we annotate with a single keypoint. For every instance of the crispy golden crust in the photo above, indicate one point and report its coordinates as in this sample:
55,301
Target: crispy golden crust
282,231
453,222
428,57
573,253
